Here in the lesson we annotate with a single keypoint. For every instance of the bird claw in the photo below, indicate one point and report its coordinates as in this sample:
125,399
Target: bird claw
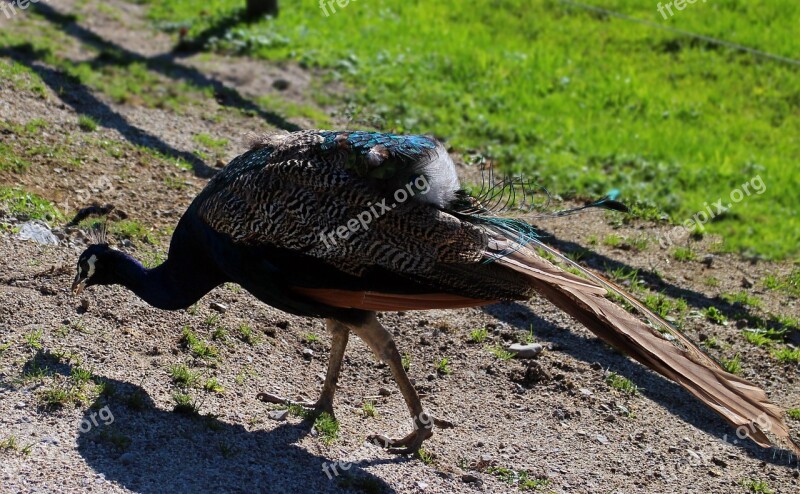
411,443
316,408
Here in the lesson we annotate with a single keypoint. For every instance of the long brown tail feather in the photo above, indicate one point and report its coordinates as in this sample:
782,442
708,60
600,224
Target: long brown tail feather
739,402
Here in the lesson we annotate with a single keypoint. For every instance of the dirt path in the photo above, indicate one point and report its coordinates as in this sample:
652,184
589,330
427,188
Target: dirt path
554,419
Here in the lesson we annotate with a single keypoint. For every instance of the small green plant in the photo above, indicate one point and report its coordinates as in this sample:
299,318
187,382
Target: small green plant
4,347
80,376
425,457
442,366
764,337
621,383
135,401
183,376
247,335
309,338
793,413
529,336
742,298
25,205
405,361
714,315
758,486
213,386
196,346
34,339
184,404
788,355
12,444
734,365
369,408
711,281
219,334
500,352
478,335
87,123
612,240
327,427
521,478
684,254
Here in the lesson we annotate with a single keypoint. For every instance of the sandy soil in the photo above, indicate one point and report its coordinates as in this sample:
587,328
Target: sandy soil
554,417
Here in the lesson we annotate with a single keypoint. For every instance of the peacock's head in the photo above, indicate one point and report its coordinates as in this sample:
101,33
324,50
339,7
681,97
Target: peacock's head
94,267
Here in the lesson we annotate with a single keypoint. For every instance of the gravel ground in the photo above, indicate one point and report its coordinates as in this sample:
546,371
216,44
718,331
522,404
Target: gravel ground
554,418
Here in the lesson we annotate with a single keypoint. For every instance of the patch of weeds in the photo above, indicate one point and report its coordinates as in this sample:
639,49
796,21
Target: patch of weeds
10,160
27,206
789,284
764,337
219,334
34,339
793,413
217,146
663,305
87,123
425,456
105,388
711,281
213,386
183,376
521,478
12,444
787,355
478,335
135,400
80,376
243,374
310,338
327,427
758,486
734,365
684,254
624,275
405,361
212,320
529,336
592,240
742,298
247,335
130,229
622,384
173,183
4,347
714,315
184,404
442,367
638,243
227,450
369,408
612,240
110,435
500,352
196,346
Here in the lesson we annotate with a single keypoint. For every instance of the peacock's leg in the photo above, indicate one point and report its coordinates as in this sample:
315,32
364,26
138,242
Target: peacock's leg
340,334
382,343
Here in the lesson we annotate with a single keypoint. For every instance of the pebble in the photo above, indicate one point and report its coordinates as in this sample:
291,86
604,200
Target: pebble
308,353
602,439
469,478
384,392
221,308
586,392
422,485
126,458
525,351
279,415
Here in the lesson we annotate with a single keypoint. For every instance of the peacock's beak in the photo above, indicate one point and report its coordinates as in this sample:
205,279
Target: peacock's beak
78,284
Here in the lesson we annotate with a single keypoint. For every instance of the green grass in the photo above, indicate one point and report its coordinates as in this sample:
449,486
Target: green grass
683,254
478,335
714,315
11,443
185,404
327,426
310,338
213,386
183,376
197,346
34,339
500,352
130,229
757,486
663,305
734,365
793,413
622,384
523,479
369,408
580,102
789,284
247,335
443,366
742,298
787,355
764,337
405,361
87,123
26,205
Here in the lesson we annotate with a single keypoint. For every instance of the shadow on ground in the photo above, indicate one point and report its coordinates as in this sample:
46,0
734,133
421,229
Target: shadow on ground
656,388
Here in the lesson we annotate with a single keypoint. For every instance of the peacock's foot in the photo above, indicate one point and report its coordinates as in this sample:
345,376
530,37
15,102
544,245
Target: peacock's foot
423,429
313,408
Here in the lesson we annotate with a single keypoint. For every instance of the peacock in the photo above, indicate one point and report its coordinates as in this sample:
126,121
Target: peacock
340,225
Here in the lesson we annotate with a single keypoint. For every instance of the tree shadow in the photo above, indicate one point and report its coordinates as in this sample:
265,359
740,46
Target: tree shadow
652,385
128,440
163,64
82,101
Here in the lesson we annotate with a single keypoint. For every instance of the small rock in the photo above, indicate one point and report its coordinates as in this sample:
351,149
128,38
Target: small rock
747,282
219,307
279,415
719,462
586,392
281,84
384,392
469,478
715,472
525,351
602,439
37,231
422,485
84,304
308,353
610,418
21,404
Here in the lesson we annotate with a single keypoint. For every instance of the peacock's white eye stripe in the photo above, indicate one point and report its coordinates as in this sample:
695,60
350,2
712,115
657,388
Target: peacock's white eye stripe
91,262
